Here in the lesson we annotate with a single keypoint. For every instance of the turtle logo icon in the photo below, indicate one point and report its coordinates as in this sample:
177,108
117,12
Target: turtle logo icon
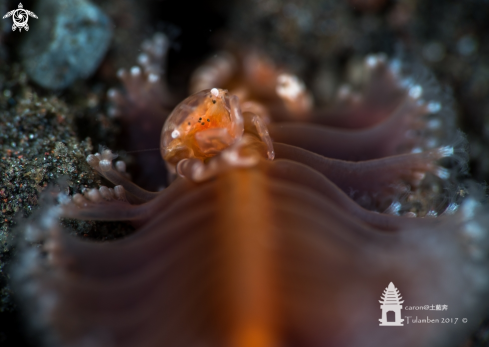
20,18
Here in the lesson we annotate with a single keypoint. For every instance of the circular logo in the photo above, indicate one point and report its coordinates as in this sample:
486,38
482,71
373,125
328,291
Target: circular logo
20,17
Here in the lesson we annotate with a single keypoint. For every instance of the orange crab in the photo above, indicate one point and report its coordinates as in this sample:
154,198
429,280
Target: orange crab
207,123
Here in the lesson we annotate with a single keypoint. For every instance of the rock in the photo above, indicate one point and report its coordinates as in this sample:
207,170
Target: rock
68,42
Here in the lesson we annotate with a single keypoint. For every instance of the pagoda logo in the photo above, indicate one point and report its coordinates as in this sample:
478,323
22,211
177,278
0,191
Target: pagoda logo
391,307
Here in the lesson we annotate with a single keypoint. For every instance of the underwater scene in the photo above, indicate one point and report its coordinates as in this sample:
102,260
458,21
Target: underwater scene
244,173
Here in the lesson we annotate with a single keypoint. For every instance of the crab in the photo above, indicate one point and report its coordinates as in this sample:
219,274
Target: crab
207,123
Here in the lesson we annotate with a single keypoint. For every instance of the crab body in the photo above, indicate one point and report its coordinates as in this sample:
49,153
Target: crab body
201,126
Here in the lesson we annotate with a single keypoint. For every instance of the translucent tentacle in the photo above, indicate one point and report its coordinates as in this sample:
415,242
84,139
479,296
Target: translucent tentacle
373,175
102,163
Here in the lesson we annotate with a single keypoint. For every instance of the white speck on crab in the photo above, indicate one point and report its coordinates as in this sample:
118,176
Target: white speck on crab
175,133
231,156
215,92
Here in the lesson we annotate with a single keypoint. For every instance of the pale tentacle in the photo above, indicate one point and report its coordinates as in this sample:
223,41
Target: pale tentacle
143,107
297,100
373,175
377,98
213,73
111,204
146,91
318,185
390,137
153,58
102,163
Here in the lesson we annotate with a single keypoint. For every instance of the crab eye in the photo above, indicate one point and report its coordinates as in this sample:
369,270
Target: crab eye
201,126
